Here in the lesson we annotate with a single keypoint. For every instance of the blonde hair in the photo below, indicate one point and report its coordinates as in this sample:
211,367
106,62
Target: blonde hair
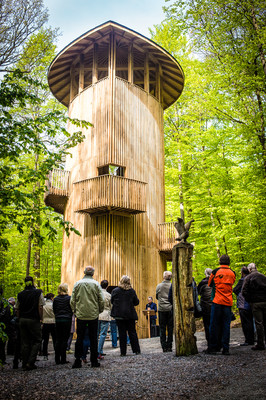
63,288
125,282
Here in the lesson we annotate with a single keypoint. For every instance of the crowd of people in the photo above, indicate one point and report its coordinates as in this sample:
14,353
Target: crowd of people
91,310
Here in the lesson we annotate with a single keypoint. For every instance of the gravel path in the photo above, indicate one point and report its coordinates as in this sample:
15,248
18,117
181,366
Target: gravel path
150,375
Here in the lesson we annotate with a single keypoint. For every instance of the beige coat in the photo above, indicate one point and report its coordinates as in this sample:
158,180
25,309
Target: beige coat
106,314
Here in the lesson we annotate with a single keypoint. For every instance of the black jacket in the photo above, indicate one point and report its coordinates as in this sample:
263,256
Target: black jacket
61,307
124,302
205,293
28,301
254,288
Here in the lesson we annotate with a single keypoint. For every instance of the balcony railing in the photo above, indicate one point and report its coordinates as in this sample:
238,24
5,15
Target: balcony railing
110,193
57,189
167,235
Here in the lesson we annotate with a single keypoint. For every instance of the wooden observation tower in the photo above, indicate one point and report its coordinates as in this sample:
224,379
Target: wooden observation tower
112,188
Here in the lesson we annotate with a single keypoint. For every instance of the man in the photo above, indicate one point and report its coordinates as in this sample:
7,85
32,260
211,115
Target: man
165,311
221,281
29,309
104,318
87,302
205,292
254,292
245,311
152,306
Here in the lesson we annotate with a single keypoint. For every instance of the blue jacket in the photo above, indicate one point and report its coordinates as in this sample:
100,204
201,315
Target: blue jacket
152,306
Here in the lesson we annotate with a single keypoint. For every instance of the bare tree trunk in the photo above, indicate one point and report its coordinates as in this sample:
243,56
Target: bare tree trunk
184,321
28,255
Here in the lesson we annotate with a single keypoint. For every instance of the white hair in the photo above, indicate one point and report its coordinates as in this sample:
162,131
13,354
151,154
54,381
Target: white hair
167,275
251,267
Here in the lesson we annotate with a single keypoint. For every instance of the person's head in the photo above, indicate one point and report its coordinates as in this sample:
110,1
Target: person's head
49,296
244,271
12,301
252,267
125,282
63,288
104,284
89,270
150,299
208,272
28,281
167,275
224,260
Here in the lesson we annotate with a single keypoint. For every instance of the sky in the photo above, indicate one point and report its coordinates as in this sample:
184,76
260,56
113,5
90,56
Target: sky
75,17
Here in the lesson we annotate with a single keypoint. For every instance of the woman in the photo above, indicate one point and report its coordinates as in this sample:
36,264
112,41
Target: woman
63,319
124,300
48,324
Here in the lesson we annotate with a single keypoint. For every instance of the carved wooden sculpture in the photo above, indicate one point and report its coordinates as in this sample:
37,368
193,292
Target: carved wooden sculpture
183,307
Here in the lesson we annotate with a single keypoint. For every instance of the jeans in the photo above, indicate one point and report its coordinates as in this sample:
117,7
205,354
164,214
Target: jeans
219,325
81,328
46,330
124,326
86,344
166,321
259,314
246,317
31,339
102,329
62,328
113,328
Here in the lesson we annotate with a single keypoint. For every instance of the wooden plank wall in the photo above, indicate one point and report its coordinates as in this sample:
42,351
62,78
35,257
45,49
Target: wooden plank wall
113,244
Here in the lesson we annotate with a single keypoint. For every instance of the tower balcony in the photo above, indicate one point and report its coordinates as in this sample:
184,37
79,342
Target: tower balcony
108,193
167,235
57,190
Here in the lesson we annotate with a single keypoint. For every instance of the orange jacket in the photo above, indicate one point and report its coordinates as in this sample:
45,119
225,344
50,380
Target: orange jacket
222,280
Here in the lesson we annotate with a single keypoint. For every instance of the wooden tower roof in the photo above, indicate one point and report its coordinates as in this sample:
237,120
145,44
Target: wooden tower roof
172,76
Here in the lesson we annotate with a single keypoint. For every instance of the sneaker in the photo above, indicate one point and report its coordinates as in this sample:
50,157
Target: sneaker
70,352
85,360
100,357
95,365
77,363
258,347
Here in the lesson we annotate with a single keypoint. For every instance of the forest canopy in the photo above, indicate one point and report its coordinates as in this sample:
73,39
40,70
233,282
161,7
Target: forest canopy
215,149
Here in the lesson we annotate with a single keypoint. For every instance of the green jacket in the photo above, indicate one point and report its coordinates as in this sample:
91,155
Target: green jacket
87,300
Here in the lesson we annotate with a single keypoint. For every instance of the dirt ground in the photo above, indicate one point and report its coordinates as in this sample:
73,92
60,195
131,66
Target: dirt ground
150,375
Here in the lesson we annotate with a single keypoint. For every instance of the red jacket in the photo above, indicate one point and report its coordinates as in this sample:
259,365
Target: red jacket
222,280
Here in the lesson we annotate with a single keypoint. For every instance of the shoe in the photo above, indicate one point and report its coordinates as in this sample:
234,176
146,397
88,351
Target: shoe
226,353
30,367
95,365
244,344
70,352
15,365
100,357
103,354
114,347
77,363
123,355
211,352
136,353
169,350
64,362
165,350
84,361
258,347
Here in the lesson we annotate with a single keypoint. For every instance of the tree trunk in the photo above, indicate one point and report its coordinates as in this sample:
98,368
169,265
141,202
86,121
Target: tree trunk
184,321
